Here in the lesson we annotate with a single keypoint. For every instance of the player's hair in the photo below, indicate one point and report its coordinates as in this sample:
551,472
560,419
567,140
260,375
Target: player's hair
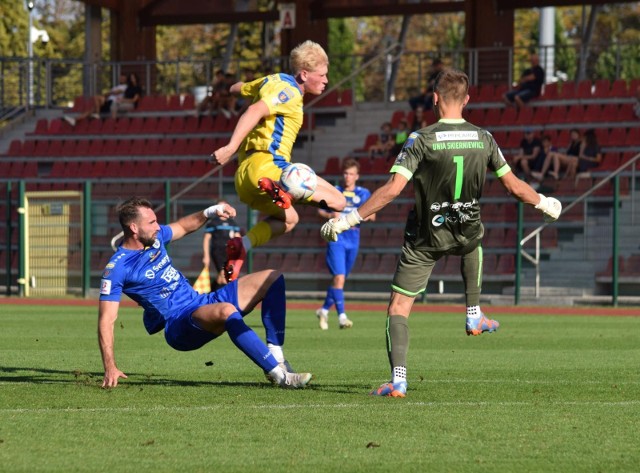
350,163
128,211
452,85
307,56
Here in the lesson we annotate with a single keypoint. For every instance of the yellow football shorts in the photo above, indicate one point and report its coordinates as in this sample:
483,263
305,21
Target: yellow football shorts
254,167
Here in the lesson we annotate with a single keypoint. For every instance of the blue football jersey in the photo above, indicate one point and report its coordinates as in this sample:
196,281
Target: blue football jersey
148,277
355,199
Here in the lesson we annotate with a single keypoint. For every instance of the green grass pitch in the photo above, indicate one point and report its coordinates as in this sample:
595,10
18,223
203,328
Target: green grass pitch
545,393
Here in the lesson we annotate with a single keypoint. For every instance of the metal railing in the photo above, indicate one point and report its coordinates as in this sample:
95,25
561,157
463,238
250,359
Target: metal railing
582,199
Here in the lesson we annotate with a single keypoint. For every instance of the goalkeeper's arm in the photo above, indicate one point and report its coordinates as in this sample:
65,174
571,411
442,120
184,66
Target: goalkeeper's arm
522,191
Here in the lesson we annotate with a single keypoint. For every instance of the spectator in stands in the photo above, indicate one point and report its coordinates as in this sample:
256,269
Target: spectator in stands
590,154
529,157
419,118
342,254
131,96
529,86
217,232
211,101
401,136
426,97
386,140
242,103
567,160
142,269
102,103
446,218
546,155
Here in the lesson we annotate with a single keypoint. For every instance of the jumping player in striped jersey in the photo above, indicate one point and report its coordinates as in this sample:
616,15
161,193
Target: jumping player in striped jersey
447,162
264,138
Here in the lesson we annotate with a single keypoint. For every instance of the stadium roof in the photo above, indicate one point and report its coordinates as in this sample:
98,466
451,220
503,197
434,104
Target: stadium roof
166,12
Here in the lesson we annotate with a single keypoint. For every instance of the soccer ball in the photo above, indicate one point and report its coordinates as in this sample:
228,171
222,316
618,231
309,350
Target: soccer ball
299,180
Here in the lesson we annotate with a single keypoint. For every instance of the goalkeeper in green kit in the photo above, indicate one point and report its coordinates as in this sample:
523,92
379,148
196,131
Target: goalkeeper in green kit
447,162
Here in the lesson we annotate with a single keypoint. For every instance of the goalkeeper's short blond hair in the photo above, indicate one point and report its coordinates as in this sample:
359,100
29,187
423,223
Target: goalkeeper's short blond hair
307,56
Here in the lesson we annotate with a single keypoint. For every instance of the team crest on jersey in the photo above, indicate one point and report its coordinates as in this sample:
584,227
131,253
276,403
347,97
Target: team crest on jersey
153,256
285,95
410,139
156,244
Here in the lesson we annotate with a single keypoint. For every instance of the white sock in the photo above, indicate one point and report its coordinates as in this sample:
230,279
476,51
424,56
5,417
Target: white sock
324,312
276,351
246,243
474,312
278,374
342,317
399,374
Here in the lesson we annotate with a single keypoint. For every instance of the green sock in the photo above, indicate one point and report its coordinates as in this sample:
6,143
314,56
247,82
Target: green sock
397,342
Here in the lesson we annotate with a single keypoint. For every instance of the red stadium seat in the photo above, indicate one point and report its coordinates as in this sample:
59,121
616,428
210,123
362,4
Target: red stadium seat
492,116
15,148
525,117
332,166
506,264
619,88
583,89
550,91
633,137
541,115
122,125
396,118
486,93
609,112
509,116
42,127
150,125
592,113
601,89
567,90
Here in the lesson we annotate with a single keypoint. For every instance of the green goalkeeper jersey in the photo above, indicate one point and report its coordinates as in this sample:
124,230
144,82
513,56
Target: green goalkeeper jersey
448,162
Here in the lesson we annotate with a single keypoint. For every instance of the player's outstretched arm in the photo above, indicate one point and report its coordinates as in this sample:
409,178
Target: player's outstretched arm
247,122
107,315
193,222
378,200
549,206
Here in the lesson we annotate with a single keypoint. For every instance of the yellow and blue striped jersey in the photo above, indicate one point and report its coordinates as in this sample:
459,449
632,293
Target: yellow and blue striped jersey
276,133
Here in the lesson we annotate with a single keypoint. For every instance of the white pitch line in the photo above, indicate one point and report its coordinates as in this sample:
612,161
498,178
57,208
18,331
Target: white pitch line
394,404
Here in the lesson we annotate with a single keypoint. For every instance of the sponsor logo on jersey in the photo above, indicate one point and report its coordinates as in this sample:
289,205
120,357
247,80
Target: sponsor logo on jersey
437,220
110,266
435,207
457,135
149,274
106,273
105,287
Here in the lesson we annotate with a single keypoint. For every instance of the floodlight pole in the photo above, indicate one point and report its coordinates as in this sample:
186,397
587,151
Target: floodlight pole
30,57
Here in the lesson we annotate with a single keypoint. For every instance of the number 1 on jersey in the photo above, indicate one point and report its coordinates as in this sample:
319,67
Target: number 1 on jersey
459,170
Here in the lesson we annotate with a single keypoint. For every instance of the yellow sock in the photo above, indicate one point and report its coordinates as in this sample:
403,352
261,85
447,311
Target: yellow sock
260,234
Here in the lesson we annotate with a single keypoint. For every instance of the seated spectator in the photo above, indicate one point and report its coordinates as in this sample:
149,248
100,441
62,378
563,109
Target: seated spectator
386,141
102,103
131,96
218,88
546,154
426,97
567,160
529,86
590,154
528,159
419,119
402,134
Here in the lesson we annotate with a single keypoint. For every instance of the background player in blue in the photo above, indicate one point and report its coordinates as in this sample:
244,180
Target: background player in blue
142,269
341,254
447,162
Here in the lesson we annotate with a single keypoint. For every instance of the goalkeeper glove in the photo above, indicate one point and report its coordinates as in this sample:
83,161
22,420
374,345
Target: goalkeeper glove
334,227
214,210
550,207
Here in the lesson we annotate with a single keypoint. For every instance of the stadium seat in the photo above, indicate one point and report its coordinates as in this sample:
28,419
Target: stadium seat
452,265
332,166
567,90
631,266
206,124
477,116
486,93
583,89
619,89
541,115
626,114
123,148
15,148
617,136
592,113
396,118
510,116
163,125
191,125
601,89
150,125
550,91
136,125
575,114
506,264
609,112
489,263
525,117
42,127
633,137
492,116
122,125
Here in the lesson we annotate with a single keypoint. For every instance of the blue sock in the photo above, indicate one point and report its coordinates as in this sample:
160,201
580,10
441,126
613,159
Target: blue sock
249,342
274,312
328,300
338,295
